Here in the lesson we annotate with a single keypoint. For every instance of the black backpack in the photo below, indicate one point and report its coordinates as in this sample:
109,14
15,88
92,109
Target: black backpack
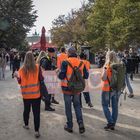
76,83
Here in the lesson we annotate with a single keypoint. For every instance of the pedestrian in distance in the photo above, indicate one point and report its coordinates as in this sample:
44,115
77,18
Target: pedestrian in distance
61,57
28,78
86,94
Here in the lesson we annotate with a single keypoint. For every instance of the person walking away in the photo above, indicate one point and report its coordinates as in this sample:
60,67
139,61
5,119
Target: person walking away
1,66
69,96
110,95
86,94
11,59
61,57
128,63
16,63
28,78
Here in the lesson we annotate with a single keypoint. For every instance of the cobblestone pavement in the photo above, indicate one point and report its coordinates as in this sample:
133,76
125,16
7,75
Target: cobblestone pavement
11,108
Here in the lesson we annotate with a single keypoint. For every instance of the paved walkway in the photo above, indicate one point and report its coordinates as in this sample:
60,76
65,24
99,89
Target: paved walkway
11,108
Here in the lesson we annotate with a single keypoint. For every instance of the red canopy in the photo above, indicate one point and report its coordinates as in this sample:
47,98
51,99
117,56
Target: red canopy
38,46
42,44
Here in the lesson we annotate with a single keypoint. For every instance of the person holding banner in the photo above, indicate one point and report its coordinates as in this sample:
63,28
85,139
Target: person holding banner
61,57
45,62
86,94
69,97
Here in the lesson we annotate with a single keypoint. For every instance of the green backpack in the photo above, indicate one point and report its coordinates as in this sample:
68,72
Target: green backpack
117,81
76,83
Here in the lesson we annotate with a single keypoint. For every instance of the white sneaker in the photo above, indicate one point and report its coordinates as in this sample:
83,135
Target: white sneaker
26,127
37,134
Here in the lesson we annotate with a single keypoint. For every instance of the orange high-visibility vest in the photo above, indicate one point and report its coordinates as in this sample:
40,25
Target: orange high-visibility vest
60,59
106,86
30,87
74,62
87,64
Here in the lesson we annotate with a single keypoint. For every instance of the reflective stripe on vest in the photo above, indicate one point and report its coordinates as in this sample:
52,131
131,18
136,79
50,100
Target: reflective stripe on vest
75,62
31,92
30,87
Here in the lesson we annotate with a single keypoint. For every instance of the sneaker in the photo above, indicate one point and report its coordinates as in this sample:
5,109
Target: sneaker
90,104
109,127
131,95
26,127
49,109
66,128
54,101
81,128
37,134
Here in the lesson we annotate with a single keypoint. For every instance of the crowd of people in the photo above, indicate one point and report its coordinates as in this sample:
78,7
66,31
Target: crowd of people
66,64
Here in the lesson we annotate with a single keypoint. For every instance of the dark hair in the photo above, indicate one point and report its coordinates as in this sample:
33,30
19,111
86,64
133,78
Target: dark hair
83,56
63,49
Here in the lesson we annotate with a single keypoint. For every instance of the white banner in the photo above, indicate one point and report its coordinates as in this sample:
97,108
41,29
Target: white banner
53,84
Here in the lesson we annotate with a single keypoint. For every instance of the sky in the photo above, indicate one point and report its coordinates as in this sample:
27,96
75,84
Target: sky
48,10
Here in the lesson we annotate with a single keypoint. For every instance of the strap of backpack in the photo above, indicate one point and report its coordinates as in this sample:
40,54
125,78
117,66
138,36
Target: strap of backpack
81,63
109,91
73,67
70,64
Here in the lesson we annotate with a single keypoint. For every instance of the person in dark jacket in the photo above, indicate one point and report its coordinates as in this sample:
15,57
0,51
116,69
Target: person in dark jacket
129,69
16,63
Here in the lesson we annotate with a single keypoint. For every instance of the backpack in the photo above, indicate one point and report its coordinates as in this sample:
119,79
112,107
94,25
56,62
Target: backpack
76,83
117,81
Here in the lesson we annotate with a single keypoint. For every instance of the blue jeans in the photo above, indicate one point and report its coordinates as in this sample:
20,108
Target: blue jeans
68,99
127,81
86,96
111,117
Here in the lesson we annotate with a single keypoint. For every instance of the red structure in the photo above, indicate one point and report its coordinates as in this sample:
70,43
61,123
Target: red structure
43,40
42,44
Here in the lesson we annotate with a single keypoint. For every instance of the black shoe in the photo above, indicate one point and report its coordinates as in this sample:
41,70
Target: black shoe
131,95
68,129
90,104
109,127
81,128
49,109
54,101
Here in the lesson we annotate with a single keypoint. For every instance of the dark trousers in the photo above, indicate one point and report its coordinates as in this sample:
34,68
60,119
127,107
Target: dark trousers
35,104
86,96
15,68
48,101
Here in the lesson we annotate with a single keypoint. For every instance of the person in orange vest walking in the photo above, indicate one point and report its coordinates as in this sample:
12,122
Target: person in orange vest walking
69,97
86,94
108,95
28,77
61,57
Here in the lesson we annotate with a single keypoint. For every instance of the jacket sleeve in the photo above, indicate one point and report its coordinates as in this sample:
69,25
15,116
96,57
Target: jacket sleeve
41,78
85,73
63,70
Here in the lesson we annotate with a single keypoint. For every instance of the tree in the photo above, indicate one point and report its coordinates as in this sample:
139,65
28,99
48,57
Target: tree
125,24
20,16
